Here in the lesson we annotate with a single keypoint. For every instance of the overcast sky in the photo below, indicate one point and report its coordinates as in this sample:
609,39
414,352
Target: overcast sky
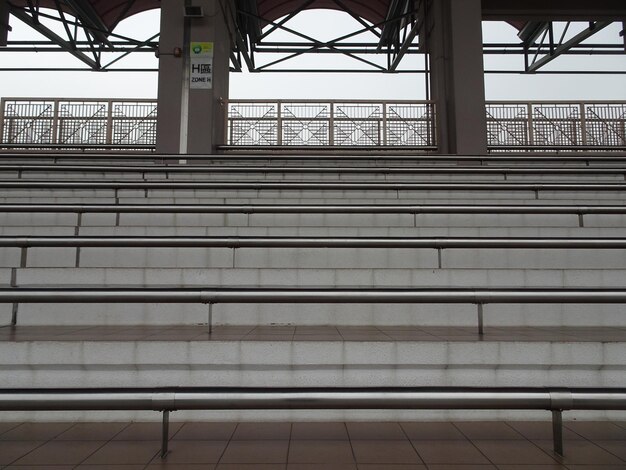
312,86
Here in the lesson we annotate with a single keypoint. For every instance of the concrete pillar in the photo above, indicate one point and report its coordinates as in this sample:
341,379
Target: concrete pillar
191,120
4,22
457,80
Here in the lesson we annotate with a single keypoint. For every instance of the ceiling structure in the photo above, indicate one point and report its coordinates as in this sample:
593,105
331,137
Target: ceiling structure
394,26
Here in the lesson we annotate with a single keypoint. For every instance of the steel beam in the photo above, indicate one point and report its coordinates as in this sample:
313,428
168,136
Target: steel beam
566,46
52,36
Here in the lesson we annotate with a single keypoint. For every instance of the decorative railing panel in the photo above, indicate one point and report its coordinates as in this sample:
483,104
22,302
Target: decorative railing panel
331,123
556,124
78,122
510,125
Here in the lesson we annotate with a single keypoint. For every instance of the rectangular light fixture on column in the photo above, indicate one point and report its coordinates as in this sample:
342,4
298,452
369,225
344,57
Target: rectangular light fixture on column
193,12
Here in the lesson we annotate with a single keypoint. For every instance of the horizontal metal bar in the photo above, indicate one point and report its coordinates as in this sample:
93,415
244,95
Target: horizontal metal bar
312,209
355,296
308,169
173,399
313,242
329,155
318,185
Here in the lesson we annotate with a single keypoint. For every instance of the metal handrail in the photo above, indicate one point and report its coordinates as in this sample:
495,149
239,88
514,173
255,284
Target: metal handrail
592,157
297,295
310,242
167,400
315,208
183,168
317,185
211,296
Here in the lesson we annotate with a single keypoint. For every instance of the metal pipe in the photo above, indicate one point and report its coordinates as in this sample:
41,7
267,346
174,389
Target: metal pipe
473,170
302,399
312,242
314,208
285,185
357,296
595,157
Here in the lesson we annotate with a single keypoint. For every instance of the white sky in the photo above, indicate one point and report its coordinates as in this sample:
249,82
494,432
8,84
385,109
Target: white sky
311,86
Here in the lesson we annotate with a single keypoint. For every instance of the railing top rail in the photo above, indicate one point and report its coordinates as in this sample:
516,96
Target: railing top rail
277,296
344,185
591,157
185,168
81,100
314,242
231,398
316,209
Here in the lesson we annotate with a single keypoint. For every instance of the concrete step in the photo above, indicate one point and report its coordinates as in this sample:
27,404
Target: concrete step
339,231
560,315
315,220
334,258
269,174
317,356
300,277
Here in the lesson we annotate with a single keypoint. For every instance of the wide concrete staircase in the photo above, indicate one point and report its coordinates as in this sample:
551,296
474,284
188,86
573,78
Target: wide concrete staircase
538,344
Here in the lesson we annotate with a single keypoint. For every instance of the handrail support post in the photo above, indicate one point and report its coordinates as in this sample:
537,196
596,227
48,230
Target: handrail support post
210,317
481,324
557,431
165,433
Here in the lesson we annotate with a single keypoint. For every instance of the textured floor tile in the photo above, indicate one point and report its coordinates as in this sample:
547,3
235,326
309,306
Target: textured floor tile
375,466
432,431
367,431
61,453
11,451
319,431
35,431
145,432
125,452
4,427
158,464
617,448
92,432
533,467
256,452
195,451
321,466
262,431
488,430
205,431
466,467
513,452
324,451
592,430
254,466
40,467
449,452
581,453
385,452
110,467
540,430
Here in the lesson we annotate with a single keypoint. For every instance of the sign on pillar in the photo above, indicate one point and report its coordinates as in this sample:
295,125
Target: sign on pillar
201,63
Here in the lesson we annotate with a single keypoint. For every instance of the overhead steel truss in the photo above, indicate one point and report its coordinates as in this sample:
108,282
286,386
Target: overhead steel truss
87,37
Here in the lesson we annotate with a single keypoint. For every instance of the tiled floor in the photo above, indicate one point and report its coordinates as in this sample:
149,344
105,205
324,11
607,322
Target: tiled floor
310,333
312,446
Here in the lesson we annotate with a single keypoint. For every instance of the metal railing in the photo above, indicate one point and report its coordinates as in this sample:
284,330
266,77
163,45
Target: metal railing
167,400
23,168
556,124
345,123
77,123
589,159
479,297
146,186
523,126
413,209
